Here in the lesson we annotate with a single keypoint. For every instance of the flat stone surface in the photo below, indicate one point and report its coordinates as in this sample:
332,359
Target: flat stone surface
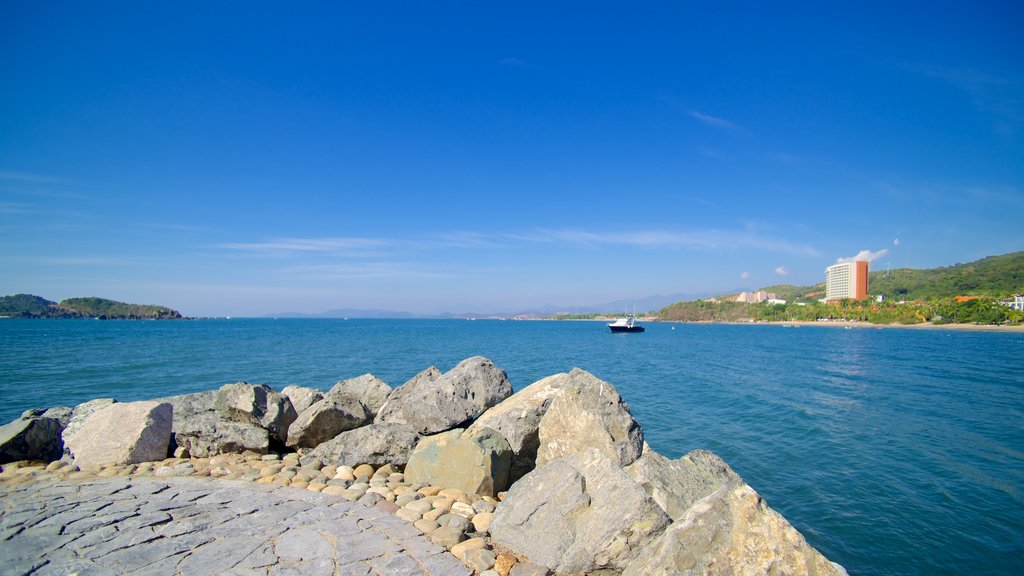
185,526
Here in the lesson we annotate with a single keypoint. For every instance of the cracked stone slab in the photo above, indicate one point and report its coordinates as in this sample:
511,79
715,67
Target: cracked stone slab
185,526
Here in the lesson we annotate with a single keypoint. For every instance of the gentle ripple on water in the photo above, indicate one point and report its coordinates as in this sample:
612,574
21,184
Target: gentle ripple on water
893,451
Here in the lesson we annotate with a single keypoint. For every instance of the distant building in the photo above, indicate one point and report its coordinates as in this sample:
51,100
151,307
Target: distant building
776,301
846,280
1017,303
753,297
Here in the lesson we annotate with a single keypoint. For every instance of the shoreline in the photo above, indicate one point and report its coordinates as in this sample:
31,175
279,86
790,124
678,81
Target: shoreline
859,324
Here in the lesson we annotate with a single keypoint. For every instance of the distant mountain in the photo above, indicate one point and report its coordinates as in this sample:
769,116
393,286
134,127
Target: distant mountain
32,306
645,304
347,313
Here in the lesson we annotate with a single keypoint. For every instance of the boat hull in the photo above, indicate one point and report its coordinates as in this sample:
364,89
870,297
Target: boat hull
626,328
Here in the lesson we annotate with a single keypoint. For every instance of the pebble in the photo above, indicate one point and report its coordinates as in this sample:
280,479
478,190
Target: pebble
463,509
503,563
482,521
426,526
405,499
335,491
434,514
408,515
363,470
460,549
447,536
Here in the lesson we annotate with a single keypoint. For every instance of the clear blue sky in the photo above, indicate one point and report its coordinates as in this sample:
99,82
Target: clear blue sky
247,158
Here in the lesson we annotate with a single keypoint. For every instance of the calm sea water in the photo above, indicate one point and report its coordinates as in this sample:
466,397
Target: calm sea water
893,451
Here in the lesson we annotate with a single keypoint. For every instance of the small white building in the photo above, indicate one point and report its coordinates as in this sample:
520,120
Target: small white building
1017,303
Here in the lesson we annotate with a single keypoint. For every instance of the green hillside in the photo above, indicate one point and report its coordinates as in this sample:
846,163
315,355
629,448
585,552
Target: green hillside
930,296
102,308
792,293
31,306
996,276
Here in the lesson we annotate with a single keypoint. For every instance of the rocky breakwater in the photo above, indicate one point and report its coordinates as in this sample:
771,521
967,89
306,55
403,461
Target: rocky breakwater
554,479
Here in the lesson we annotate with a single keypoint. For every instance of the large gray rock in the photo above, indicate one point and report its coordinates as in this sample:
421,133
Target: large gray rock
454,398
123,433
326,419
589,413
517,418
207,434
576,514
368,389
302,397
34,436
376,444
677,484
731,531
475,461
79,414
203,432
259,405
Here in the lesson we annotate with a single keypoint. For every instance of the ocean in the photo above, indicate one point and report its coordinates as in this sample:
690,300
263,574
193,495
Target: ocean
894,451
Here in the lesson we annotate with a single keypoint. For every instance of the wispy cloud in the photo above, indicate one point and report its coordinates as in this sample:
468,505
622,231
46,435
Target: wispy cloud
1000,98
864,255
514,62
369,270
463,240
744,275
12,208
285,246
698,240
714,121
177,227
29,177
781,271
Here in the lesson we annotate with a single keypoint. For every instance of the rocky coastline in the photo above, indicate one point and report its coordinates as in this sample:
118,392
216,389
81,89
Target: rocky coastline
553,479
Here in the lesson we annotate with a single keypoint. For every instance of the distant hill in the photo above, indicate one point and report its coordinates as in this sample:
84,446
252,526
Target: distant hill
993,276
996,276
931,294
347,313
31,306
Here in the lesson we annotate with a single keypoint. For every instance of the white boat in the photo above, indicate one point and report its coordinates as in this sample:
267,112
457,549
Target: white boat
627,324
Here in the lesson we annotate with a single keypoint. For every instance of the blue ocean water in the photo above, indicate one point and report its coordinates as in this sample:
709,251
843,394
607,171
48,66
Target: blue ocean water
894,451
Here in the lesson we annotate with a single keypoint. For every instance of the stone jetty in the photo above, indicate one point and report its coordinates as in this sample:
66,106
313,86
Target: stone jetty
450,473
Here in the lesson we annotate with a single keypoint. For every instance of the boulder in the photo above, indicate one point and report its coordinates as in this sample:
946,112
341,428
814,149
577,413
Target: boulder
580,513
207,434
61,414
475,461
376,444
326,419
33,436
203,432
302,397
79,414
256,404
677,484
368,389
589,413
517,418
123,433
456,397
731,531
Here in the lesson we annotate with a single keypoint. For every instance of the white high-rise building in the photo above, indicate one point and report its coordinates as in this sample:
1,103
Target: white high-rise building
846,280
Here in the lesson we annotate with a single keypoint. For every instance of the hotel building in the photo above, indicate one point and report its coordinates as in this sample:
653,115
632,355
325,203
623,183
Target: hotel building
846,280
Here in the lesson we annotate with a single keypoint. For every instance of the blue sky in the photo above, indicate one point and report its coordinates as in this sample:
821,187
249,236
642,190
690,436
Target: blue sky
246,158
